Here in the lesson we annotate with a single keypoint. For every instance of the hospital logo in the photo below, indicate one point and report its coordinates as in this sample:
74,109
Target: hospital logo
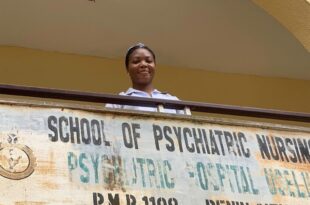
17,161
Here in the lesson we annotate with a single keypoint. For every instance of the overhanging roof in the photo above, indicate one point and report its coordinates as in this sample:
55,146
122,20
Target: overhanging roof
226,36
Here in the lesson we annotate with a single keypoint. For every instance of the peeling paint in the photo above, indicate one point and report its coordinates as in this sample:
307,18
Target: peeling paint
154,160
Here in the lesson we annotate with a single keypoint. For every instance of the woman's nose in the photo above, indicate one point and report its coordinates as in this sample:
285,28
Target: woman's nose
143,63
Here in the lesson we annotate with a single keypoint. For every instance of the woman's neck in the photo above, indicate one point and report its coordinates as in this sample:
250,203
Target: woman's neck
148,89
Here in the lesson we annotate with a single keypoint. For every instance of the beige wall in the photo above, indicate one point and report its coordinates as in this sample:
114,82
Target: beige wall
56,70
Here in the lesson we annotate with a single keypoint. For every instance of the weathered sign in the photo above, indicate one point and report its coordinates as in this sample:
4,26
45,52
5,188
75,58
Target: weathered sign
57,155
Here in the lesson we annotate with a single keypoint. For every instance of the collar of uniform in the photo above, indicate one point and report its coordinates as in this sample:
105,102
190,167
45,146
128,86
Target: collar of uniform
132,90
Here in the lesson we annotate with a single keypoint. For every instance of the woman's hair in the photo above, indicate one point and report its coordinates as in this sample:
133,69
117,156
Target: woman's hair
135,47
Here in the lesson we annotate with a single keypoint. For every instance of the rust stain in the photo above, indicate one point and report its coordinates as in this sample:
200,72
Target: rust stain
50,185
281,164
280,199
47,166
305,167
115,181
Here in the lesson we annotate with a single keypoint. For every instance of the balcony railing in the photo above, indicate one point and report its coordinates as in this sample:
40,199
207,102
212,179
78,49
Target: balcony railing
151,102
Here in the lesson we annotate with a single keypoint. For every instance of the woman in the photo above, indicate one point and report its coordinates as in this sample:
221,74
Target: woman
140,64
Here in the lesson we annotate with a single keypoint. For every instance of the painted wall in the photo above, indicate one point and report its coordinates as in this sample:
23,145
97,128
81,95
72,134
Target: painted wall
65,71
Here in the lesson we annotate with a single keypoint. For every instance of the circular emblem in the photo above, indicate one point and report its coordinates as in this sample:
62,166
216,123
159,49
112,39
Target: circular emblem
16,160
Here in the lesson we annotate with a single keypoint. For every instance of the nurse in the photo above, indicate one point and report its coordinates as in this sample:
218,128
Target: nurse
140,62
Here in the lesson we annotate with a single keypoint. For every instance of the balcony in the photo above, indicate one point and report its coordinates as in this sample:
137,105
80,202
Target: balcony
69,153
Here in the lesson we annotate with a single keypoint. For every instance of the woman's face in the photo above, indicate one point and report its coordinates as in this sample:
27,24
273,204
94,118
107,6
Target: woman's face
141,67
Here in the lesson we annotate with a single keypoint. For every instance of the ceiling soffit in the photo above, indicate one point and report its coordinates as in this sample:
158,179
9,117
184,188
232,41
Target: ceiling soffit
224,36
294,15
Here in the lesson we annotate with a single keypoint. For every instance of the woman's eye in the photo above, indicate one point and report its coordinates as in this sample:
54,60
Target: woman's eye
135,61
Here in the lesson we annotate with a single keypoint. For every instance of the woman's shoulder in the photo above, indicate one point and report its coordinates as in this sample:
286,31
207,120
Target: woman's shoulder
166,95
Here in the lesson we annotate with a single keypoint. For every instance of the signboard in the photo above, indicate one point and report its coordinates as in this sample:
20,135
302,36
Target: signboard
57,155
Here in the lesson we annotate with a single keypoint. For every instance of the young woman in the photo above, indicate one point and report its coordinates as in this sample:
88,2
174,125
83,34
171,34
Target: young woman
140,64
